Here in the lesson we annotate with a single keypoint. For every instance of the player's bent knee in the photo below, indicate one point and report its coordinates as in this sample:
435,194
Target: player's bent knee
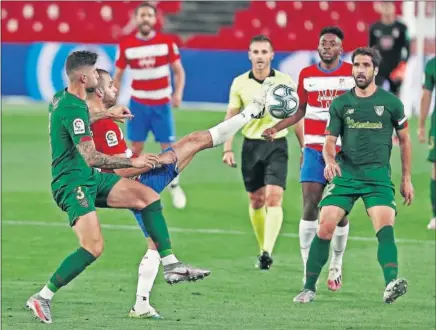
273,200
310,211
94,246
328,219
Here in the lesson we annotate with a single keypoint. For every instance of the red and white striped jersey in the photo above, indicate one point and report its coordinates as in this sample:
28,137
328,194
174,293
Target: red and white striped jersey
149,61
317,88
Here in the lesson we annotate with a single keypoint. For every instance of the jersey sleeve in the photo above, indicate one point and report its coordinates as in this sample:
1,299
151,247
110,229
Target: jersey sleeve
399,119
429,81
234,98
173,52
121,61
302,93
108,138
77,126
334,124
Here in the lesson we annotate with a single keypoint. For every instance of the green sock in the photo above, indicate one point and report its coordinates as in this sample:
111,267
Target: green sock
156,226
318,256
433,196
70,268
387,253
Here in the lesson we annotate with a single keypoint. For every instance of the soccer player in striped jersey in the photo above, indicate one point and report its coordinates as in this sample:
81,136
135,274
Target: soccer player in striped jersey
151,56
318,86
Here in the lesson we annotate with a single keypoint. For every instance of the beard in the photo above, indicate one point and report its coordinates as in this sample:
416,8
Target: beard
109,102
365,83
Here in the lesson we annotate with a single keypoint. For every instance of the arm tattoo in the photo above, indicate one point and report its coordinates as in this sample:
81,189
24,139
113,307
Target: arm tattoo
94,116
96,159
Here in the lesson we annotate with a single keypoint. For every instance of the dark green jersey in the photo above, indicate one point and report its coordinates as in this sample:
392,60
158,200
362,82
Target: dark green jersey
430,82
68,126
365,126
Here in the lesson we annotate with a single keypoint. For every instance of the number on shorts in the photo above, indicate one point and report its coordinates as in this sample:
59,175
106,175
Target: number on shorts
328,189
80,194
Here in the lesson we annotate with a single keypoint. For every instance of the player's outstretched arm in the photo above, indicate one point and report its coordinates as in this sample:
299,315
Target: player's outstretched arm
96,159
406,187
329,153
117,112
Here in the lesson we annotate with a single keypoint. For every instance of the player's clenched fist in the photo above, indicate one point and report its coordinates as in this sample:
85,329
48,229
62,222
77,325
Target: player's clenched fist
406,190
269,134
119,113
145,160
331,170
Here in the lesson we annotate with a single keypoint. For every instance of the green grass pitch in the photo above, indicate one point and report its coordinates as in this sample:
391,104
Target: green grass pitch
214,232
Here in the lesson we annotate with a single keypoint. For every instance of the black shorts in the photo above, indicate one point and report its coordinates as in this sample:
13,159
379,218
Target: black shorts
264,163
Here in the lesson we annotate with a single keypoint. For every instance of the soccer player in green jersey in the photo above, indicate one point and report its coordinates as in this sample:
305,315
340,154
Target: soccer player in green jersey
428,87
364,118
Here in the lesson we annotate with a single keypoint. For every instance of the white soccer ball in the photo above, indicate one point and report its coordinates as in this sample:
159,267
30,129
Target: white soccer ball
282,101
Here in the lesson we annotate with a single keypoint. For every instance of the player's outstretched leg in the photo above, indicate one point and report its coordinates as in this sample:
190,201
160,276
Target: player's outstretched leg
134,195
383,218
319,251
187,147
87,229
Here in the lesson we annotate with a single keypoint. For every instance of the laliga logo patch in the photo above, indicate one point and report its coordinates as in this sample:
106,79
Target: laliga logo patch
111,138
78,126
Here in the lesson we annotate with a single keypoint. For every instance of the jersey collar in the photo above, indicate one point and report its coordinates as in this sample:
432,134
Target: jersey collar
331,70
272,73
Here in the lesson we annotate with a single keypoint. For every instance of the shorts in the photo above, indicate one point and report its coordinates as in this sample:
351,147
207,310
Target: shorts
155,118
156,179
79,200
312,169
432,143
344,193
264,163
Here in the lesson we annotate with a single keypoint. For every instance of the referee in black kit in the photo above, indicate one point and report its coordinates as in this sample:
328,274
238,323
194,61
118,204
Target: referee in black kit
391,38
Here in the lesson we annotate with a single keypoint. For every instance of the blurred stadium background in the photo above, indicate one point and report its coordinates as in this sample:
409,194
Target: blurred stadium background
213,38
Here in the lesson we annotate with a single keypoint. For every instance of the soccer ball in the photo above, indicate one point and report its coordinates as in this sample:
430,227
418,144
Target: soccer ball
282,101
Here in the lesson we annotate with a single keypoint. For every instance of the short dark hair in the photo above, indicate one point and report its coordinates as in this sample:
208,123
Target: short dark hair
261,38
368,51
145,5
333,30
79,59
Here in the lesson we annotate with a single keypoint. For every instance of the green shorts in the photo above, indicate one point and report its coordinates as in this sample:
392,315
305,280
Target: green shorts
345,192
432,144
78,200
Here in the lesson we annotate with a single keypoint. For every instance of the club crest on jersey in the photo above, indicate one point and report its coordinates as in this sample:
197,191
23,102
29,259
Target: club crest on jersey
111,138
379,109
78,126
349,111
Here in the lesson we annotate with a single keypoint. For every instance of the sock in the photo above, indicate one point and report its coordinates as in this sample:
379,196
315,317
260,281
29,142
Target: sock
273,224
339,242
147,272
154,223
69,269
226,129
174,183
168,260
387,253
46,293
306,231
318,256
257,217
433,196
